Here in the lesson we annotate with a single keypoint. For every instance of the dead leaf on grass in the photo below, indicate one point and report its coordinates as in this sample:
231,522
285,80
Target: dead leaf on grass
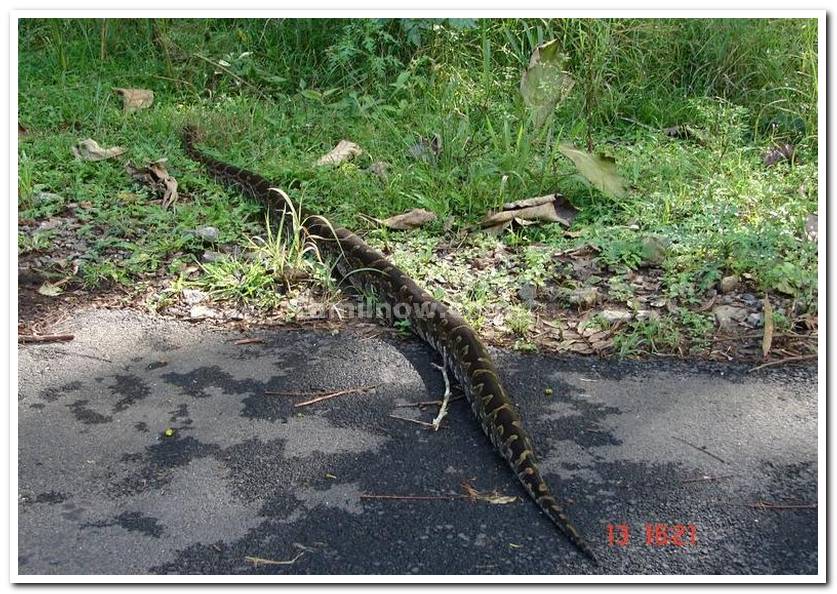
553,208
599,170
135,99
155,176
409,220
22,130
345,150
89,150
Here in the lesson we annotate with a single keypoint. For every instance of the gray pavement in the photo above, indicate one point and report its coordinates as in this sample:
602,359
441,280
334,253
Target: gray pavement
103,491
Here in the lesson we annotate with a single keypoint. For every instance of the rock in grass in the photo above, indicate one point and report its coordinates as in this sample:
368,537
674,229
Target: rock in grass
654,250
727,316
527,292
587,296
193,296
202,312
611,316
729,283
211,256
209,234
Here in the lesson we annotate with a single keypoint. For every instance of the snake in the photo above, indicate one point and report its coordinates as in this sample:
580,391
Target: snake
446,331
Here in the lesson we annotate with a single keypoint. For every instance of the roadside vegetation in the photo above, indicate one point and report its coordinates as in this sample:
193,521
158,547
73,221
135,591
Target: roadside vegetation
712,125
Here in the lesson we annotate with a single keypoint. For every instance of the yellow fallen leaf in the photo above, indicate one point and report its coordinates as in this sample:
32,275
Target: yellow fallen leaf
409,220
134,99
344,151
89,150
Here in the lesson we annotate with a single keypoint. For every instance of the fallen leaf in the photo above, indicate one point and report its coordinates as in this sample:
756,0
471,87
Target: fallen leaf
409,220
22,130
544,82
767,339
157,178
494,497
50,290
89,150
553,208
599,170
344,151
135,99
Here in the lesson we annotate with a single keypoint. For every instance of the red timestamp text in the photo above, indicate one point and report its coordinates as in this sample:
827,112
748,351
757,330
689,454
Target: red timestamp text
656,535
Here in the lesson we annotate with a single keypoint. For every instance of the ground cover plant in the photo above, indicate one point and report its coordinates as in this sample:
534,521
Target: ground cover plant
711,126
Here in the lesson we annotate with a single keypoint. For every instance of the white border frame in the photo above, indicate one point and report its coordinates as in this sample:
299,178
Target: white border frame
317,11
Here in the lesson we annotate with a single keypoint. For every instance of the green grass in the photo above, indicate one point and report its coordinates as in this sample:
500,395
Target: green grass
273,96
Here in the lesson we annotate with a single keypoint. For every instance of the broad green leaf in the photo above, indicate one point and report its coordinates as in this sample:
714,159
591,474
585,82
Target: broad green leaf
544,83
599,170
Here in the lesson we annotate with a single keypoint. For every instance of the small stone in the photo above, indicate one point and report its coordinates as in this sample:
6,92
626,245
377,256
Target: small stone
588,296
200,312
654,250
379,168
755,320
749,299
527,292
611,316
647,314
207,233
193,296
47,197
729,283
211,256
811,227
726,316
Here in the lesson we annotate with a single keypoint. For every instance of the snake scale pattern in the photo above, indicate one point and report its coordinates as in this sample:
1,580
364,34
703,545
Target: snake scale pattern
442,328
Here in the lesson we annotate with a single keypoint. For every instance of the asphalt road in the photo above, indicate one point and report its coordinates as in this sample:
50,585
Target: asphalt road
102,490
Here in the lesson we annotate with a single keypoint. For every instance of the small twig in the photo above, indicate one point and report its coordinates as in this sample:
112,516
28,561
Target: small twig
256,561
416,497
785,360
43,338
331,395
248,341
422,423
427,403
701,449
704,478
443,410
767,505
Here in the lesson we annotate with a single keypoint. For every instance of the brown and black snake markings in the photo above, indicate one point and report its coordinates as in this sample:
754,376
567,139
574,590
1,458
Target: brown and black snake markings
441,327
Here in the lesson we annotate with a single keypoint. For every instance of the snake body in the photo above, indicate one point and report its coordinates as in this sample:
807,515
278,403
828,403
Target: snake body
442,328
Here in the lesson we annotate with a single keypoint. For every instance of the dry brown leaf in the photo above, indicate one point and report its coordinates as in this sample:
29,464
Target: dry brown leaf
344,151
553,208
767,339
494,497
409,220
22,130
157,178
135,99
89,150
